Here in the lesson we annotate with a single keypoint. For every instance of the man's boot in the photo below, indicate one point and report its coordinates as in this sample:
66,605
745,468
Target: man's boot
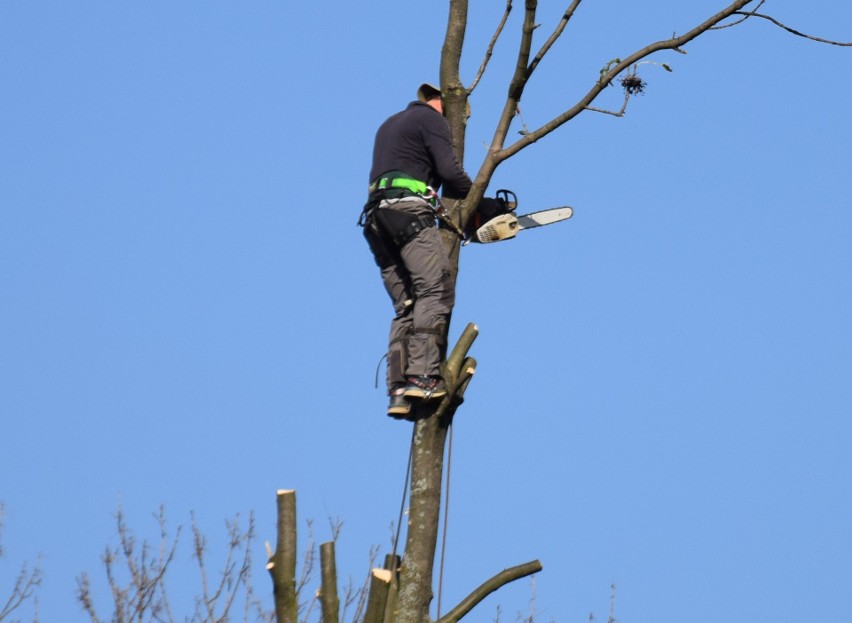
398,407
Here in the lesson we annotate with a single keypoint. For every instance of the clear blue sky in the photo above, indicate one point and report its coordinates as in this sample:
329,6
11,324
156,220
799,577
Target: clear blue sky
189,315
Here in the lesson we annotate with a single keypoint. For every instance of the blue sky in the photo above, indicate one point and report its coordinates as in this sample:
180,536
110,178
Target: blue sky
190,317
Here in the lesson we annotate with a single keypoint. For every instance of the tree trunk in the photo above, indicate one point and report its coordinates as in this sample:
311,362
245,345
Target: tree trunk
427,460
415,592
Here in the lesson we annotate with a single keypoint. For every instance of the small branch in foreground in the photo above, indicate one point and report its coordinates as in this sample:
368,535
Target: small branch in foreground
489,586
25,585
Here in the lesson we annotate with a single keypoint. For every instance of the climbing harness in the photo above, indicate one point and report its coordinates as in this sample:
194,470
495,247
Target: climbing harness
390,181
399,226
442,212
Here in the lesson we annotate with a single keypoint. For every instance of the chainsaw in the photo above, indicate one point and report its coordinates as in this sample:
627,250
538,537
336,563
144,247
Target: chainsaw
507,224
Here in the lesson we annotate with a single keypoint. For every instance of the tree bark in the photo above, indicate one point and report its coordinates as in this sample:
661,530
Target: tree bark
282,562
392,562
427,448
329,600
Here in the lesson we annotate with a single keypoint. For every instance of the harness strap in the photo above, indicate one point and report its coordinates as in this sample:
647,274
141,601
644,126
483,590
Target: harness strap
418,224
390,181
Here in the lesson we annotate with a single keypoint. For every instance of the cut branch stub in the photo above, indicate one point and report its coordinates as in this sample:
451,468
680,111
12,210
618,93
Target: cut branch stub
392,562
282,562
380,582
329,601
456,359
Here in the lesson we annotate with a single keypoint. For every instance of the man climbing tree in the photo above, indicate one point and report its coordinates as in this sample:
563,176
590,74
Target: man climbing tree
412,158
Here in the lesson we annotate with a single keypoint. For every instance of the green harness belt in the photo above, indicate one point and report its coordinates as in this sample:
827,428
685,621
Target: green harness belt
406,183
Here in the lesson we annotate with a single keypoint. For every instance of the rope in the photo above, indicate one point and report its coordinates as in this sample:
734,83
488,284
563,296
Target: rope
444,528
378,367
404,492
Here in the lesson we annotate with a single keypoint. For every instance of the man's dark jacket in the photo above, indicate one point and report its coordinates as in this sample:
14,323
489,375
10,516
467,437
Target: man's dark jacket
417,142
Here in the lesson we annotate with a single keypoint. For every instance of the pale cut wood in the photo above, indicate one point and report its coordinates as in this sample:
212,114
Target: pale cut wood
380,580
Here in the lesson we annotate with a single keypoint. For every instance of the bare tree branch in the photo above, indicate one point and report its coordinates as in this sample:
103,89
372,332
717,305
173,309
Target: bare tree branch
739,21
560,27
25,584
519,78
608,76
490,50
489,586
308,559
359,596
143,595
524,69
792,31
217,606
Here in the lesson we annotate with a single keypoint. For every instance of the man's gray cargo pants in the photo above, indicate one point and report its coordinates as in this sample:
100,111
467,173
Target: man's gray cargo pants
421,290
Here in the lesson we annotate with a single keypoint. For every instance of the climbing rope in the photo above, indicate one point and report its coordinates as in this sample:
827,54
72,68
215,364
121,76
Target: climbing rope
446,518
404,493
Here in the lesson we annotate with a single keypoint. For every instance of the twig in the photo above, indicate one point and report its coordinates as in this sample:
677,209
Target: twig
792,31
490,50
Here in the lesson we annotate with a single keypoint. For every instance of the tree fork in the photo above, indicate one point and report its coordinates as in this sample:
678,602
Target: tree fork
282,562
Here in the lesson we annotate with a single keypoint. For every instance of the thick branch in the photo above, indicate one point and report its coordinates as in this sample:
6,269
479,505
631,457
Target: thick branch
282,562
489,586
329,601
560,27
525,72
459,352
454,93
519,78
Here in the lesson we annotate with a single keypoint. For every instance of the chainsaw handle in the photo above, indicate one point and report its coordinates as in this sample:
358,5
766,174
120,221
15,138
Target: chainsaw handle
509,199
